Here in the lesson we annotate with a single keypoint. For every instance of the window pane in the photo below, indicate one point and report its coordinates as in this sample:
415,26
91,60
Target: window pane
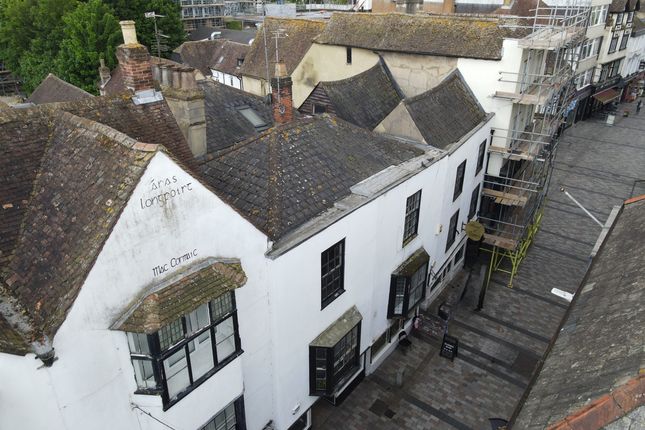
332,272
176,369
201,354
225,339
252,117
225,420
138,343
399,296
459,180
418,284
222,306
170,334
345,354
197,319
143,374
411,224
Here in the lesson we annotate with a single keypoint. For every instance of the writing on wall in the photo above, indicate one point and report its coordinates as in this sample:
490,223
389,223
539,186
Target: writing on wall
174,262
163,190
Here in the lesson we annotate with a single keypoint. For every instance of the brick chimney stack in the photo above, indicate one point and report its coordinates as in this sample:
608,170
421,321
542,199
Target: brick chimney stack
134,60
281,97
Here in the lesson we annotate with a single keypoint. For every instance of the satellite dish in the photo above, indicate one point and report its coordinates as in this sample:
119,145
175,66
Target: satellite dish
474,231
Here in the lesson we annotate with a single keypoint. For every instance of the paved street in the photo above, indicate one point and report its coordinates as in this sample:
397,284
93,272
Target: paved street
500,345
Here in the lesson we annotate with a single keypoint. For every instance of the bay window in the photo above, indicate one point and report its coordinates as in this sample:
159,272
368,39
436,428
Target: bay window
185,352
408,285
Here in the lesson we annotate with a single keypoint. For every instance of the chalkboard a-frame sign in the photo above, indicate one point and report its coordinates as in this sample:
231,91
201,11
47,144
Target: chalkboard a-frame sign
449,347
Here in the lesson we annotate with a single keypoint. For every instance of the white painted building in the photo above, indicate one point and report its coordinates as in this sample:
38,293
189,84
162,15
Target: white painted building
236,292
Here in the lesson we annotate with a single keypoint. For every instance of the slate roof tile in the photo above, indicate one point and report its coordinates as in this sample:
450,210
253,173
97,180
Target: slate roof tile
53,89
445,35
301,33
291,174
364,99
164,306
447,112
600,344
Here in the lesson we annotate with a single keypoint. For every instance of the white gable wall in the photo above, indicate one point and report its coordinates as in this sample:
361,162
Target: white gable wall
92,382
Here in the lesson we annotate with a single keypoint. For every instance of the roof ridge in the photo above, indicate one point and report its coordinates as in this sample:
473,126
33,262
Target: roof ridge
107,131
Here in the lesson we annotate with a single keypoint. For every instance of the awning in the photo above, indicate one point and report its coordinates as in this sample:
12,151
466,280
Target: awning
339,328
607,95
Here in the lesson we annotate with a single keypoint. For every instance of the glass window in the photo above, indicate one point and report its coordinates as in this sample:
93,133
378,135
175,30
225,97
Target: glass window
176,371
344,359
417,286
452,230
411,225
480,157
623,41
474,199
225,338
348,51
614,41
407,291
319,109
399,295
185,349
459,180
598,15
253,118
332,272
228,418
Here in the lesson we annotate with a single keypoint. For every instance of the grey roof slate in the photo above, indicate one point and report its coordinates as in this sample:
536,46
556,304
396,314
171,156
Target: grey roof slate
293,173
301,34
200,55
66,172
245,36
601,342
364,99
444,35
53,89
229,58
447,112
225,125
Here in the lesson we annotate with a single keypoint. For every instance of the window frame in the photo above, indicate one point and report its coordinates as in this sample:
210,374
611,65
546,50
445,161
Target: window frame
624,40
348,54
412,215
452,230
333,378
406,282
474,200
250,118
158,356
613,43
460,176
315,108
481,155
325,300
240,418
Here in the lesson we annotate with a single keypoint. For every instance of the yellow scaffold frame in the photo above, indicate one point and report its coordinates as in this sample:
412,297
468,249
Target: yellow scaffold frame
515,256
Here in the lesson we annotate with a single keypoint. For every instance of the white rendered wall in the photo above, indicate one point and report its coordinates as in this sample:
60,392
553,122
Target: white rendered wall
226,79
91,385
373,250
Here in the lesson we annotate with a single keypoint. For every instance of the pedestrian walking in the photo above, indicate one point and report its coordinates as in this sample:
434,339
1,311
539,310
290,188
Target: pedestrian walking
638,106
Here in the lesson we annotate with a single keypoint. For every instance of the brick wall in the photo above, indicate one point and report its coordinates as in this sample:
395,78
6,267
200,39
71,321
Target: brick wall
282,115
135,65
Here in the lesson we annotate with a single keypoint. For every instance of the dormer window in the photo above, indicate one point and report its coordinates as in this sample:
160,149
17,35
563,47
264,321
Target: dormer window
239,62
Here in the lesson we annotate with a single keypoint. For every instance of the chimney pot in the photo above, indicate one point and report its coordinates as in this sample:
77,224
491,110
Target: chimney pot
280,70
166,75
176,78
129,32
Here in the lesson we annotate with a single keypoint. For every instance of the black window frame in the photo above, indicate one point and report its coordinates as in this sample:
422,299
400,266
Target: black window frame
156,355
623,41
402,287
240,418
460,175
348,54
480,157
337,273
318,109
321,360
613,43
474,199
411,221
452,230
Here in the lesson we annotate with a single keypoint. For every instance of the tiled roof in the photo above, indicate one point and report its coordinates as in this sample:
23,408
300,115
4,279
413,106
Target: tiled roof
116,85
225,125
86,174
66,171
200,55
239,36
164,306
300,36
618,6
293,173
364,99
229,57
53,89
445,35
600,344
447,112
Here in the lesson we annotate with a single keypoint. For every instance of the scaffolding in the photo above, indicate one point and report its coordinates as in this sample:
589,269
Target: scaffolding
521,156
